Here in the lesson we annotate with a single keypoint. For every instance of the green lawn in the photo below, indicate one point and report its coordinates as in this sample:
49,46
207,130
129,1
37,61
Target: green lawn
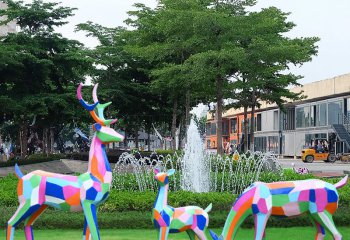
294,233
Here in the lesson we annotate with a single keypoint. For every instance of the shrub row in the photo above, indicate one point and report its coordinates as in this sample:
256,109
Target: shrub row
54,219
31,159
133,209
143,201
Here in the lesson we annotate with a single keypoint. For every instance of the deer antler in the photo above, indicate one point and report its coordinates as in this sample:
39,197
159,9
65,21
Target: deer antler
99,117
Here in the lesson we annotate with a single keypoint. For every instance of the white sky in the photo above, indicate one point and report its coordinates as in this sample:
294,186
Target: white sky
327,19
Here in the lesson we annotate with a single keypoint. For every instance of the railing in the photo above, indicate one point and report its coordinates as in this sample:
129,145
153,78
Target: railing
345,120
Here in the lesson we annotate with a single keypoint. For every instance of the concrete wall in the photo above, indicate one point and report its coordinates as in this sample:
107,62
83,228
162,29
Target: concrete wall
336,85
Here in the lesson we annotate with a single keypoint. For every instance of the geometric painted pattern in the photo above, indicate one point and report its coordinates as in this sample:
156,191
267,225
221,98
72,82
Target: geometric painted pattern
314,197
194,220
39,189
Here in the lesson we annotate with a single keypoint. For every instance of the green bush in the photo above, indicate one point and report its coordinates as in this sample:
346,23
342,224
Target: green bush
128,209
35,158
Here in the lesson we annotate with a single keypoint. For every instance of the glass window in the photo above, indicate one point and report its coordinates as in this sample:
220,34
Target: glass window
208,128
258,122
275,120
348,107
273,144
213,129
321,113
313,116
225,127
303,115
335,111
233,125
260,144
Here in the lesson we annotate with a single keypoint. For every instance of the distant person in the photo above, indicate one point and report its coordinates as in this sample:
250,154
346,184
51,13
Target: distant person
320,148
231,150
6,152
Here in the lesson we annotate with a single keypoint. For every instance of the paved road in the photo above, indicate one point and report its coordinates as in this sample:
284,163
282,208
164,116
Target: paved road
317,166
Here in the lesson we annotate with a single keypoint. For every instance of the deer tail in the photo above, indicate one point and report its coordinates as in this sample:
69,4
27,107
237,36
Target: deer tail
18,172
342,182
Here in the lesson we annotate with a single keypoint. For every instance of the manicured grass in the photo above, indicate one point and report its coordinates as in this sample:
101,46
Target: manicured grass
294,233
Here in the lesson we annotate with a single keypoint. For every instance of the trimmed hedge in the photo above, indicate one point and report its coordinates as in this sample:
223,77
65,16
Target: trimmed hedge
133,209
31,159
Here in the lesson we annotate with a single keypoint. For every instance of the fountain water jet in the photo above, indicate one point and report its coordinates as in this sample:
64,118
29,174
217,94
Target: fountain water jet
195,174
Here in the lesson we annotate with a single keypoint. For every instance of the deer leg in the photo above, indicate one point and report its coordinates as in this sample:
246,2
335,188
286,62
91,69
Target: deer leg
326,220
86,232
91,219
28,230
260,221
163,233
23,211
200,233
191,234
321,233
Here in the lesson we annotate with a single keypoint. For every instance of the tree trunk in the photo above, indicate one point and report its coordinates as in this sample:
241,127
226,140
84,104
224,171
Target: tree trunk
219,106
45,130
173,125
24,138
125,140
149,139
52,140
137,139
245,124
187,109
252,127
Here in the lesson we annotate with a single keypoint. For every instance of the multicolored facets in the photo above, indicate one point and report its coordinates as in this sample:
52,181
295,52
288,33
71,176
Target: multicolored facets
314,197
194,220
38,189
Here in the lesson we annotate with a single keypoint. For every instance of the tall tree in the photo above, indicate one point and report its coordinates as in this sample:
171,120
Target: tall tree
166,37
219,26
39,68
124,79
264,75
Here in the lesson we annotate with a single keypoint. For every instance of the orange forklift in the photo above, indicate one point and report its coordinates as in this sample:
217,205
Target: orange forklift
319,150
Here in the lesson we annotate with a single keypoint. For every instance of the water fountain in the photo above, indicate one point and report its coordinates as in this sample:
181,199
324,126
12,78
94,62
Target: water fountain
197,169
195,174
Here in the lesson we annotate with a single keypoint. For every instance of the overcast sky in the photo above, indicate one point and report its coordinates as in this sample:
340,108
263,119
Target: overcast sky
327,19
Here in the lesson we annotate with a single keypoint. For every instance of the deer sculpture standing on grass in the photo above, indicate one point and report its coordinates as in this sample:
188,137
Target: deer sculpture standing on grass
38,189
194,220
314,197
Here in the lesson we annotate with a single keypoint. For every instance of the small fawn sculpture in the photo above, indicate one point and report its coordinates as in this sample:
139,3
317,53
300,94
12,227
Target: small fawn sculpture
314,197
194,220
39,189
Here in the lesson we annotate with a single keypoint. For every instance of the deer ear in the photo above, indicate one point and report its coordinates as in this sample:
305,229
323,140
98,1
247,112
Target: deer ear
97,127
156,171
171,172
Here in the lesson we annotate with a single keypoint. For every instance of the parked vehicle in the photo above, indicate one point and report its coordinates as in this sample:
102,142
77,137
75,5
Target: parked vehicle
319,150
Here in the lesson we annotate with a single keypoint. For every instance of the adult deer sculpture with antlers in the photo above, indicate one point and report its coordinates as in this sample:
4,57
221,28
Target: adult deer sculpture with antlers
38,189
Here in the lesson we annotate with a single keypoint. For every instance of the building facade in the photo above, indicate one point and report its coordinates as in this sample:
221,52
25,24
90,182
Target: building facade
327,103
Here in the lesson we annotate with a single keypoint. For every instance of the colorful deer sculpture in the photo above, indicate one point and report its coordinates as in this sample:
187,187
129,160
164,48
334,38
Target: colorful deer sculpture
314,197
38,189
166,219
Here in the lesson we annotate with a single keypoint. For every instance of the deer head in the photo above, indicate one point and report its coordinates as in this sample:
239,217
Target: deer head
162,177
102,126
